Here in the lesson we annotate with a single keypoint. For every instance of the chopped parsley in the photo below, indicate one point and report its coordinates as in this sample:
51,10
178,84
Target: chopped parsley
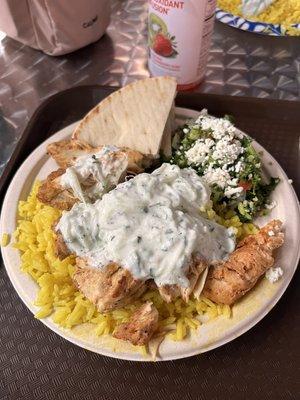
227,161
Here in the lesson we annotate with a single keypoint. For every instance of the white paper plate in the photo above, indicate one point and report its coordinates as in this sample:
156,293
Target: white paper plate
246,313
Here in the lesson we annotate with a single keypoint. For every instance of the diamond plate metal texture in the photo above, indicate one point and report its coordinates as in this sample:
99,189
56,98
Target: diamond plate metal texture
240,64
35,363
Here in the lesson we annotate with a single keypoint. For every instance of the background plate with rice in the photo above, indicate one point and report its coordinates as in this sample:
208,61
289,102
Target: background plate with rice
280,19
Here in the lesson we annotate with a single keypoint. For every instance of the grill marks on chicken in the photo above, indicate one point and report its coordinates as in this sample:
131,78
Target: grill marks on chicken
52,193
230,280
141,326
65,152
60,248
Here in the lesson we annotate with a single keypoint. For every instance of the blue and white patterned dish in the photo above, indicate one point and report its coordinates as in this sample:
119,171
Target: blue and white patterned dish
252,26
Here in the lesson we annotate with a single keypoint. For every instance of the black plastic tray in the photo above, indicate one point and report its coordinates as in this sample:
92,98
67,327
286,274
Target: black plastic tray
35,363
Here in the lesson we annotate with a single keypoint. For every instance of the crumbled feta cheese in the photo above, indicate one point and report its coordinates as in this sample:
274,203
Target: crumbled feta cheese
220,155
219,127
271,233
197,153
227,150
251,205
229,191
238,167
216,176
185,130
274,274
270,206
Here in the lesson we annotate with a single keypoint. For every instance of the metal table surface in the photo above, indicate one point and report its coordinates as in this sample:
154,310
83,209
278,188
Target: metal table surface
240,64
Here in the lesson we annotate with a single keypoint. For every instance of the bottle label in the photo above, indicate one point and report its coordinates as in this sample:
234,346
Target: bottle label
179,38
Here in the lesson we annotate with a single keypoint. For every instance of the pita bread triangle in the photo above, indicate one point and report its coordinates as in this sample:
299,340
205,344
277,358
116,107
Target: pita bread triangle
138,116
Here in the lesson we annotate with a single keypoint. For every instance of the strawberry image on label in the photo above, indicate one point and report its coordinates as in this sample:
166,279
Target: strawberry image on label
163,46
160,39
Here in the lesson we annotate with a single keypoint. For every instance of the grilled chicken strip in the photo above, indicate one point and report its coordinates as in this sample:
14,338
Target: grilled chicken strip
65,153
108,288
50,192
60,248
141,326
230,280
53,193
170,292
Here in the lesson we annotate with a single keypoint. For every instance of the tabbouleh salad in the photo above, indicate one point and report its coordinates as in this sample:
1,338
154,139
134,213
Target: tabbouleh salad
227,161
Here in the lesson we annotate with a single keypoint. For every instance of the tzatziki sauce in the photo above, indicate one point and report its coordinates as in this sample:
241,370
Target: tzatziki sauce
150,225
104,168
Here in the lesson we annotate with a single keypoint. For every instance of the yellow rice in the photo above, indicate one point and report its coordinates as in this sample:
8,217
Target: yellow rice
284,12
57,296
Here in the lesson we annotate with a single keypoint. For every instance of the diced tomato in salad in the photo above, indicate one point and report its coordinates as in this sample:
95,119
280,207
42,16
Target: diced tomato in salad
245,185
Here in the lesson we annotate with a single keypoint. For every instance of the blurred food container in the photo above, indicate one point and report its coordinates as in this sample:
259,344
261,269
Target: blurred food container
55,26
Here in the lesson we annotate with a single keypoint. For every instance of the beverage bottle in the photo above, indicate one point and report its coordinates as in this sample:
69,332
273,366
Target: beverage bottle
179,37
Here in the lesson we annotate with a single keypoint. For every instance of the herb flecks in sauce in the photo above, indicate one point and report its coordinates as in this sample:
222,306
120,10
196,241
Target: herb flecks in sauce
150,225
